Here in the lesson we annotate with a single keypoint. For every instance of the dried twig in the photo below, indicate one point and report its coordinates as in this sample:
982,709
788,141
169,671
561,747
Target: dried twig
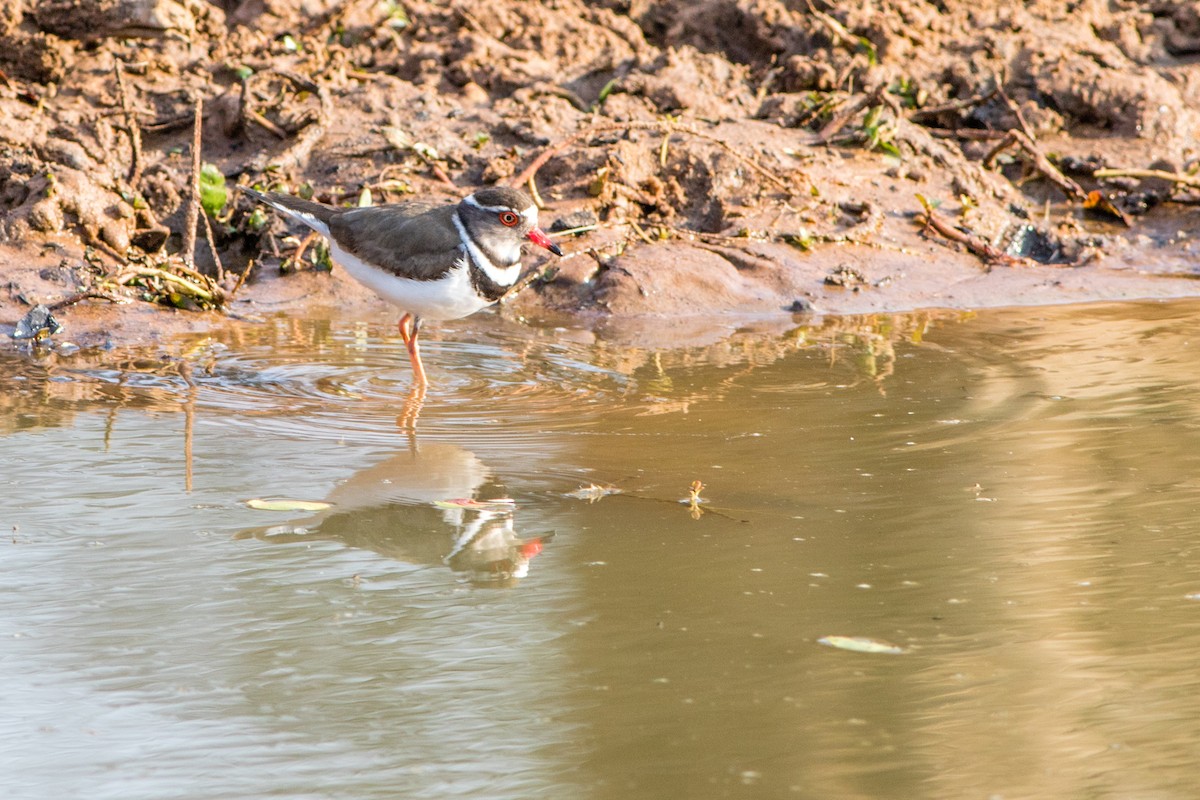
212,247
534,193
1181,178
297,153
242,278
956,105
98,294
1040,163
187,285
1016,110
193,203
974,134
932,220
132,128
260,120
839,121
645,237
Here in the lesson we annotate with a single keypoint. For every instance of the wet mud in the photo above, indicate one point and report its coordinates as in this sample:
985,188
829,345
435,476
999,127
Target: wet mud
724,156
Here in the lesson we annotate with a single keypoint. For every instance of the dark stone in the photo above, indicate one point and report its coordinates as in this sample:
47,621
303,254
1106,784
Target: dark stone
578,219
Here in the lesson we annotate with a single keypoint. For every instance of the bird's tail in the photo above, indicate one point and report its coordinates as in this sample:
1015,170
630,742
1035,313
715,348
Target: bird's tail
314,215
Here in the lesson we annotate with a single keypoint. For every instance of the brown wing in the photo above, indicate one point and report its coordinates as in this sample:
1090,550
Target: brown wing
415,240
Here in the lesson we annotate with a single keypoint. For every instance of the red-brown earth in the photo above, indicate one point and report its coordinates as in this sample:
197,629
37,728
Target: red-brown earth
726,156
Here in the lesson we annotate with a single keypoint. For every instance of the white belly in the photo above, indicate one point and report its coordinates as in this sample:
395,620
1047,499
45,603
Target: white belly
450,297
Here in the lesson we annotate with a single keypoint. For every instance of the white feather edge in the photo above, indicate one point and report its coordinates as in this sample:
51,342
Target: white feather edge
301,217
501,276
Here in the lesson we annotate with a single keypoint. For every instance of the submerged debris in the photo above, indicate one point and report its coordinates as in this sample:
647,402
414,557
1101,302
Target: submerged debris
861,644
593,492
499,503
39,324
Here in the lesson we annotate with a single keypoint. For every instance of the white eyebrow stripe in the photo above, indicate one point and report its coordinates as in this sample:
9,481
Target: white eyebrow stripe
529,213
470,200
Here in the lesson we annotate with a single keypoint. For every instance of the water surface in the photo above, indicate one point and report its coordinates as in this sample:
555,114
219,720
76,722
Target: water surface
1009,498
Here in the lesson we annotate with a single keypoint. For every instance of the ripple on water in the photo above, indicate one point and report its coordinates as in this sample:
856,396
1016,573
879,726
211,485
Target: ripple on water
358,390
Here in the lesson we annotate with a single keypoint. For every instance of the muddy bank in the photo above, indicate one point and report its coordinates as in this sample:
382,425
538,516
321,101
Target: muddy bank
733,156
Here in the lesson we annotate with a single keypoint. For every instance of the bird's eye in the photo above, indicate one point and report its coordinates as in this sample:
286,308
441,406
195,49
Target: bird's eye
509,218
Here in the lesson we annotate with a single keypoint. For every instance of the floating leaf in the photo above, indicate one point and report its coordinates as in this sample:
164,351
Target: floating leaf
861,644
285,504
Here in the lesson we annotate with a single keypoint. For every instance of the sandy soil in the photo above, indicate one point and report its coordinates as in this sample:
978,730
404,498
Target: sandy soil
733,156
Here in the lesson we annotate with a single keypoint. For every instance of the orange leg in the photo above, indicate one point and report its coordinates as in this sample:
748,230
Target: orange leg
410,326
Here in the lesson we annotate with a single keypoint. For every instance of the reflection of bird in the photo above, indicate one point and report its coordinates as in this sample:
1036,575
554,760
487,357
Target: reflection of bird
433,262
414,507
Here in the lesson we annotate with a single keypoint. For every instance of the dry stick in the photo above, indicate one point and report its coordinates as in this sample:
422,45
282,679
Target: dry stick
1040,163
976,244
132,128
973,134
661,126
259,119
1174,177
435,168
534,194
98,294
297,154
843,117
957,105
242,278
1016,109
154,272
193,207
212,248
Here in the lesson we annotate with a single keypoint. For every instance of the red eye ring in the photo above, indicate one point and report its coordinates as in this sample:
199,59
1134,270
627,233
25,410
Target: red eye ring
509,218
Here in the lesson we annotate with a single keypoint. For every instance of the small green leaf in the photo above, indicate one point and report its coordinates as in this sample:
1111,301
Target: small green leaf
321,260
801,239
243,72
865,45
257,220
213,194
397,17
364,198
606,91
290,44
